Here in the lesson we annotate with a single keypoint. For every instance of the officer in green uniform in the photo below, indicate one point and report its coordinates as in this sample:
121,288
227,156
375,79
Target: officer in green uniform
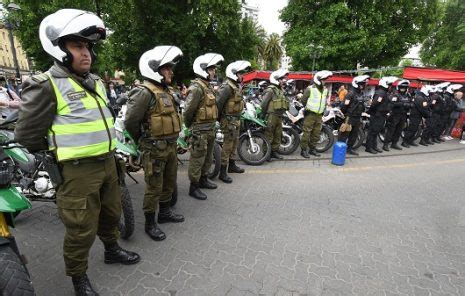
230,106
151,109
273,106
314,100
200,116
65,110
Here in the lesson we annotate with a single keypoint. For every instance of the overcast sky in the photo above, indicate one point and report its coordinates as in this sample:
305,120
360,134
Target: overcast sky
268,16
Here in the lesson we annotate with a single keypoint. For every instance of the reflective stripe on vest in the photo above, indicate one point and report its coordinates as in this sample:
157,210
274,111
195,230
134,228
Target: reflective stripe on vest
317,100
83,125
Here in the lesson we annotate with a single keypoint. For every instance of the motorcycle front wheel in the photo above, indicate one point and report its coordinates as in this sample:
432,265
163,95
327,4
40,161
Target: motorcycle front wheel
14,278
326,139
255,150
290,141
126,223
216,163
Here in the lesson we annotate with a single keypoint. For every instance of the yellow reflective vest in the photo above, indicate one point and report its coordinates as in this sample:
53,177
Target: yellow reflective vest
317,100
83,125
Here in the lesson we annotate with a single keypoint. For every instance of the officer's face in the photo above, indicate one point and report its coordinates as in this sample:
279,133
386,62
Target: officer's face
82,59
240,76
167,73
211,73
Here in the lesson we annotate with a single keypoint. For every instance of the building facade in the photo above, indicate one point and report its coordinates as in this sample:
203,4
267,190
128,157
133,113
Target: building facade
7,64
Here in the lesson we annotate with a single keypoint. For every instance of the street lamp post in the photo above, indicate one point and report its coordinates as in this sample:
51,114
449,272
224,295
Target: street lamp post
315,53
9,26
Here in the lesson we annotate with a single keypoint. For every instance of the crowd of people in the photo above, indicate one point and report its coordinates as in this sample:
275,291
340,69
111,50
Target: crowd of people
66,110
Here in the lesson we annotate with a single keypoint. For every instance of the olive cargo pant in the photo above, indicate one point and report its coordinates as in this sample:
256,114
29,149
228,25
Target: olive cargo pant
202,144
311,128
161,170
89,204
274,131
230,129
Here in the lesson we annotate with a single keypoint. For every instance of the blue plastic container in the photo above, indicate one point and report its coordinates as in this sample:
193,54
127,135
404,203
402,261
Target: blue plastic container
339,153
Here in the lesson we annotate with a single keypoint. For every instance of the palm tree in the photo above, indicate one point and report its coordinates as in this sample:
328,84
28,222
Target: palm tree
273,51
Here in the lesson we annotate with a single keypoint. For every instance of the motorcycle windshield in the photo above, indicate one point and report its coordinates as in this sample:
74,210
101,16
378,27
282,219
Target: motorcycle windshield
11,200
247,116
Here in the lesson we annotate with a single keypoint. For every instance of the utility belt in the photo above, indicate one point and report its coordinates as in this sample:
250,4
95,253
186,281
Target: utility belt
232,117
99,158
204,127
280,115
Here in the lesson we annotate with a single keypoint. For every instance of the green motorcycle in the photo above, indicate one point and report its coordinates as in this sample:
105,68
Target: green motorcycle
14,276
253,148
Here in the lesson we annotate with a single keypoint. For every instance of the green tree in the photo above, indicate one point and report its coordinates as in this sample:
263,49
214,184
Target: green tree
370,32
195,26
445,48
273,51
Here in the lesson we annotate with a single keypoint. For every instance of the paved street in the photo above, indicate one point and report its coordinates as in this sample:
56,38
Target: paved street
385,225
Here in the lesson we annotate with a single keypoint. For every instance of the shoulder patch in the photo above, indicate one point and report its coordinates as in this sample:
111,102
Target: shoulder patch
39,78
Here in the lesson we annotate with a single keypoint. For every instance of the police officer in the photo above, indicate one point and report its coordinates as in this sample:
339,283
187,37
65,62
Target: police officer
400,102
430,118
151,109
65,110
273,106
379,108
419,109
230,106
449,106
200,116
353,107
314,100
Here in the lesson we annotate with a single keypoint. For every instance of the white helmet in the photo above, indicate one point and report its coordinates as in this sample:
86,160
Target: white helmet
359,79
278,74
69,22
403,83
453,88
205,61
432,89
235,67
425,90
387,81
151,61
321,75
442,86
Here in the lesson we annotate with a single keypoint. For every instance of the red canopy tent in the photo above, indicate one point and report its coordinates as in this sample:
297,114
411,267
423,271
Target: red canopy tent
431,74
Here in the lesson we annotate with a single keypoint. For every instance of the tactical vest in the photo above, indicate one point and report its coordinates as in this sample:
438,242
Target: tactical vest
279,102
83,124
317,100
207,111
163,118
235,104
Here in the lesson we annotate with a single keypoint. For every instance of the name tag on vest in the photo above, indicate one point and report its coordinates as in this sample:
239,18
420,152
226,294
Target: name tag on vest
76,95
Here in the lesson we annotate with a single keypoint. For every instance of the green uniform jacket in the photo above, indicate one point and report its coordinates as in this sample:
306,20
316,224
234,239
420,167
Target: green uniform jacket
305,96
193,100
140,101
269,96
224,93
38,109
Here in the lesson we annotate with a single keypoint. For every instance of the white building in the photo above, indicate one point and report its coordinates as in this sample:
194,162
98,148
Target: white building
249,11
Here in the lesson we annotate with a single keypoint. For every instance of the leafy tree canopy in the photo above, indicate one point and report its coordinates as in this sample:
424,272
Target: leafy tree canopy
370,32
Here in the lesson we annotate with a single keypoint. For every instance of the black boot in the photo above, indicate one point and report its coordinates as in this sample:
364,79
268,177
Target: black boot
115,254
167,215
423,142
314,153
275,154
386,147
224,175
396,147
371,150
436,140
205,183
405,144
304,153
195,192
429,142
82,286
377,150
233,168
151,228
412,143
352,152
